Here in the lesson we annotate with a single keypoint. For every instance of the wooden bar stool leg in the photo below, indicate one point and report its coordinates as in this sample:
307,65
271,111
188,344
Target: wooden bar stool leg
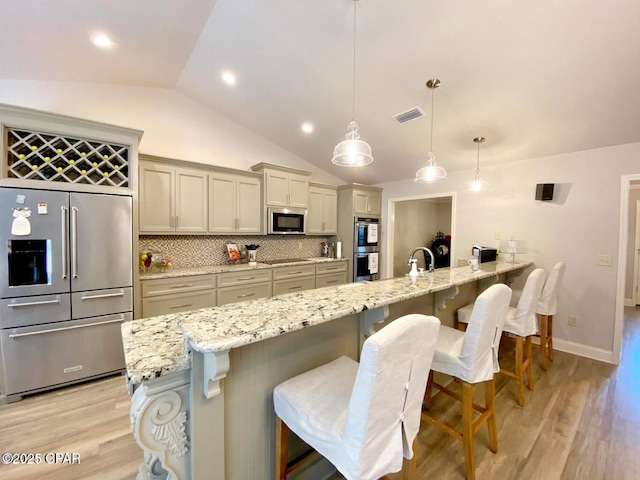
490,402
550,336
282,449
519,372
409,466
467,430
529,362
544,346
426,403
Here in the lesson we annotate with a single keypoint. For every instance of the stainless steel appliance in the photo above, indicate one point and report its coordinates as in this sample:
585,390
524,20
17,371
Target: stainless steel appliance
484,254
65,286
366,249
286,221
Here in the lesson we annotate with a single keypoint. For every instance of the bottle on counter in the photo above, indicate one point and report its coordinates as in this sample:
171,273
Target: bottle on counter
414,274
338,249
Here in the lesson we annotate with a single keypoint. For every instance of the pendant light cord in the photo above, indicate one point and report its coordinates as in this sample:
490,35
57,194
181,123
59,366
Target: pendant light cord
431,144
353,109
478,160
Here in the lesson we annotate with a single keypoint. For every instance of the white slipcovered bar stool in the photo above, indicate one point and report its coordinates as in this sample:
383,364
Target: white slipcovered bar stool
521,322
547,308
472,356
363,418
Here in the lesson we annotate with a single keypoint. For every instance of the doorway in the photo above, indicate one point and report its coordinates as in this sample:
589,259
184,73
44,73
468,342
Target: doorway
627,184
414,222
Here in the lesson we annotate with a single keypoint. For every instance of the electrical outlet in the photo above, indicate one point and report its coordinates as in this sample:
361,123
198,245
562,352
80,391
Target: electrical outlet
603,260
299,245
497,235
573,320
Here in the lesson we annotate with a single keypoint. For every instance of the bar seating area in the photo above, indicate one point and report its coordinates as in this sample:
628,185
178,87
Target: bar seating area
362,442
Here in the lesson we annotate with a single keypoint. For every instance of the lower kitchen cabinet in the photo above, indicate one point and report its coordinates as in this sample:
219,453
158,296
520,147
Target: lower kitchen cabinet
180,294
328,274
247,285
177,302
331,279
293,285
228,295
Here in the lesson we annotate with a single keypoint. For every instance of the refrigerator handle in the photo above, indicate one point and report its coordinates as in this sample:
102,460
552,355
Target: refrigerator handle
65,241
74,242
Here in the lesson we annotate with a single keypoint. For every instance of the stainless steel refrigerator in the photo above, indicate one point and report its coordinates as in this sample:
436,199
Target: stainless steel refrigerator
65,286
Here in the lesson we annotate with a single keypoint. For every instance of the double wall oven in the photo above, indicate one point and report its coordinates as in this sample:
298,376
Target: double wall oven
65,286
366,249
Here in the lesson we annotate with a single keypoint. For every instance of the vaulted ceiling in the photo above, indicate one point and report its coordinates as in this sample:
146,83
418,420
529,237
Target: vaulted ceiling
535,78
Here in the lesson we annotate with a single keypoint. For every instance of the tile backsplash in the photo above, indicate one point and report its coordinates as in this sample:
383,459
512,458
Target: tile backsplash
199,251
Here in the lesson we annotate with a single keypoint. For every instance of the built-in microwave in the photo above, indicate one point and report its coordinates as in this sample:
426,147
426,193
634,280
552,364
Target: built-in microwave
287,221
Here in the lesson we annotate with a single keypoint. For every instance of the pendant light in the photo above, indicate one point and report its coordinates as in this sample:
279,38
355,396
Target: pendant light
352,152
477,184
431,172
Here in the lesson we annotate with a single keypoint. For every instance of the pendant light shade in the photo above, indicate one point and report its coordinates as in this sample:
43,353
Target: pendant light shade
477,184
352,152
431,172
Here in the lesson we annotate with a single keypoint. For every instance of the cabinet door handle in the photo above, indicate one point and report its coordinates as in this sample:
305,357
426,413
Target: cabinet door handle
331,268
53,330
295,273
186,285
181,306
65,241
32,304
177,219
246,279
104,295
332,281
246,295
74,242
297,287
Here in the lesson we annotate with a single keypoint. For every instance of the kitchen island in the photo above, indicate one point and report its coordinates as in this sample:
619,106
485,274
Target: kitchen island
201,381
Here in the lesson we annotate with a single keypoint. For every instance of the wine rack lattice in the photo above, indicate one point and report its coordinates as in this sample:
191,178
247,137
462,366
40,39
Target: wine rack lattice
55,158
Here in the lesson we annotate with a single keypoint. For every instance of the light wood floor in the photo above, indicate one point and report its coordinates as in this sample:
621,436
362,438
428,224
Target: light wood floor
581,422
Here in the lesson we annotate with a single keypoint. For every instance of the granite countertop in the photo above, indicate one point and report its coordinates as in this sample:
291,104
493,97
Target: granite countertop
156,346
207,270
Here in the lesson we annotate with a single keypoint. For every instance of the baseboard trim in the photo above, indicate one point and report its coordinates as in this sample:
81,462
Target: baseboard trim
581,350
629,302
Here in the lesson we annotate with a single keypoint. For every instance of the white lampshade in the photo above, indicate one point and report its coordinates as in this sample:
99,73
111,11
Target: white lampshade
431,172
352,152
477,185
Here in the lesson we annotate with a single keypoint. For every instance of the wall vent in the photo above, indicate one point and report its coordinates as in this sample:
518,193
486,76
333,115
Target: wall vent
408,115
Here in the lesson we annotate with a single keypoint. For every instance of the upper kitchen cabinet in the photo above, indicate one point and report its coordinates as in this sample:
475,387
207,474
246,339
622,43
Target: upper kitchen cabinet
322,218
367,200
284,187
172,199
235,204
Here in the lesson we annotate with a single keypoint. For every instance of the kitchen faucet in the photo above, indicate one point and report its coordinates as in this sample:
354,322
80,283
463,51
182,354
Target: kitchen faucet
424,249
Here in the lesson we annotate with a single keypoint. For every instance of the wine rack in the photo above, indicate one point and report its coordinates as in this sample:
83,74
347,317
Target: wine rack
55,158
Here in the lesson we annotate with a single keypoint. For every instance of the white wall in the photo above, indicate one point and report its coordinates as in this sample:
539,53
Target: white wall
581,222
174,126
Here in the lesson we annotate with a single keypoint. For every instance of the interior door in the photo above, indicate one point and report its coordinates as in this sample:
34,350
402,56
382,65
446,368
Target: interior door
101,241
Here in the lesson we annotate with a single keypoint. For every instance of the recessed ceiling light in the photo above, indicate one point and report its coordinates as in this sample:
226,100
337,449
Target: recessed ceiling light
307,127
229,77
102,41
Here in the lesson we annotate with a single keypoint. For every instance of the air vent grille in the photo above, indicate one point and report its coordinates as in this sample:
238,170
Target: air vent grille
408,115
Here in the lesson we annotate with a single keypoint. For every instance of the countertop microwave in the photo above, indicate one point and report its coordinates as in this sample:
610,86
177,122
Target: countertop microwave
286,221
